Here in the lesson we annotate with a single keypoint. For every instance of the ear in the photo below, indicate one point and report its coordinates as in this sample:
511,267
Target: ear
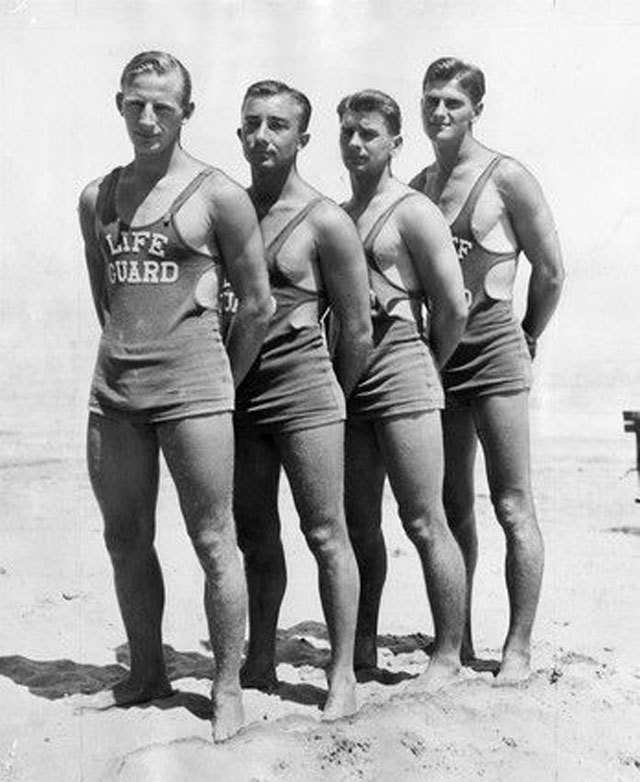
188,112
119,99
239,133
396,142
303,140
477,109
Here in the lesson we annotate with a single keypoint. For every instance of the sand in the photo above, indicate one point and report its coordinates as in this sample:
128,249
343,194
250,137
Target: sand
61,637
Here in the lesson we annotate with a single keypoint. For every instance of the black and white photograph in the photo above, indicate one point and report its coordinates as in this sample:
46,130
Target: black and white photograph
320,391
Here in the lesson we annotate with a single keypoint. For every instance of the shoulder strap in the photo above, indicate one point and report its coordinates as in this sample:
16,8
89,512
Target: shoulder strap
476,191
382,219
419,182
281,237
189,190
105,203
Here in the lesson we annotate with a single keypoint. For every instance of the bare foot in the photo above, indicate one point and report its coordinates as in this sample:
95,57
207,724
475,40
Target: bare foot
261,677
341,700
441,672
228,714
515,668
127,693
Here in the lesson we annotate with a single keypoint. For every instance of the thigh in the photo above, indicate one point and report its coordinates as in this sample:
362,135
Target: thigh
460,447
364,476
314,462
123,467
502,423
413,457
199,455
256,483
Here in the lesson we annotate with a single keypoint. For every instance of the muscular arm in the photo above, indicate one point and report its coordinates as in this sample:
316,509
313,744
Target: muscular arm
240,241
344,271
428,240
92,255
534,227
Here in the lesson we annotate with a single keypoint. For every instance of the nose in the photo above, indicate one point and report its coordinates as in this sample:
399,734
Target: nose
438,109
147,115
354,140
262,133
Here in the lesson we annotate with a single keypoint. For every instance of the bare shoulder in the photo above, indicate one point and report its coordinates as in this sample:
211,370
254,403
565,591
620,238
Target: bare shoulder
328,219
220,187
89,197
225,199
419,209
515,183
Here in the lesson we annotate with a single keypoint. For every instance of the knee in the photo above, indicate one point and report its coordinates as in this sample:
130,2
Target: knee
459,506
514,511
424,524
258,537
128,540
323,535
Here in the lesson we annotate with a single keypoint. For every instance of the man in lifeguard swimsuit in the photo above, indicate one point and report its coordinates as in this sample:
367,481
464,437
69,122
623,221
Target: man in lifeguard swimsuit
290,407
393,423
158,234
495,209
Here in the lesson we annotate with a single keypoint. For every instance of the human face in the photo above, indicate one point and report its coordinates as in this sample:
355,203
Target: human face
447,111
366,143
270,132
151,104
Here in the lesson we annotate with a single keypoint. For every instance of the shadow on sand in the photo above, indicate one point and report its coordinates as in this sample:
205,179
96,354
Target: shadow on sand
303,644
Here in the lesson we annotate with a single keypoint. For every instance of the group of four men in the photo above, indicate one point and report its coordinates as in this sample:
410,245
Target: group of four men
339,404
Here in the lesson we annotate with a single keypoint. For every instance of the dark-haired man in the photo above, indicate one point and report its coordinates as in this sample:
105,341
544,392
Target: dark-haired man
290,407
393,423
495,209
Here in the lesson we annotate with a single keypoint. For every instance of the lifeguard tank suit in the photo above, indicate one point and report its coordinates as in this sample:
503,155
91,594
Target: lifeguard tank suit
161,356
291,385
492,356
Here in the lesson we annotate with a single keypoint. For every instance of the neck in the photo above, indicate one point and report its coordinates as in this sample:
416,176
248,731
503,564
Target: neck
450,155
269,187
366,187
151,168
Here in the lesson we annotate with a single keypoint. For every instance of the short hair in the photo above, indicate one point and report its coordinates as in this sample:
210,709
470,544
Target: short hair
269,88
160,63
469,77
374,100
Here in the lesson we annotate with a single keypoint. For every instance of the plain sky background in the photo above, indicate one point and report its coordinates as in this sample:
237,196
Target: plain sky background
562,96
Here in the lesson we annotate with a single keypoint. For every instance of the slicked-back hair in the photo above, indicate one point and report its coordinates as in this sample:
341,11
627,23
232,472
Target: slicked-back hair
269,88
469,77
160,63
374,100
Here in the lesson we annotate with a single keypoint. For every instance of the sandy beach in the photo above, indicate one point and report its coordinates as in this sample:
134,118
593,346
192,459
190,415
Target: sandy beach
61,636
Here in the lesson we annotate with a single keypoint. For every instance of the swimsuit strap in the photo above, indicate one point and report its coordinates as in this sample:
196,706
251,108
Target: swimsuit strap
106,201
421,181
188,191
476,191
281,237
382,219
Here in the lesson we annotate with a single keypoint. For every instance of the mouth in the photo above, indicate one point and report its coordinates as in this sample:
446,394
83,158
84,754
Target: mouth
355,160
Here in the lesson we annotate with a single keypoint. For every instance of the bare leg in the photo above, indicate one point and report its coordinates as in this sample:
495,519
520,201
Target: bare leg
460,446
123,467
199,454
503,427
314,461
364,483
412,449
257,475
